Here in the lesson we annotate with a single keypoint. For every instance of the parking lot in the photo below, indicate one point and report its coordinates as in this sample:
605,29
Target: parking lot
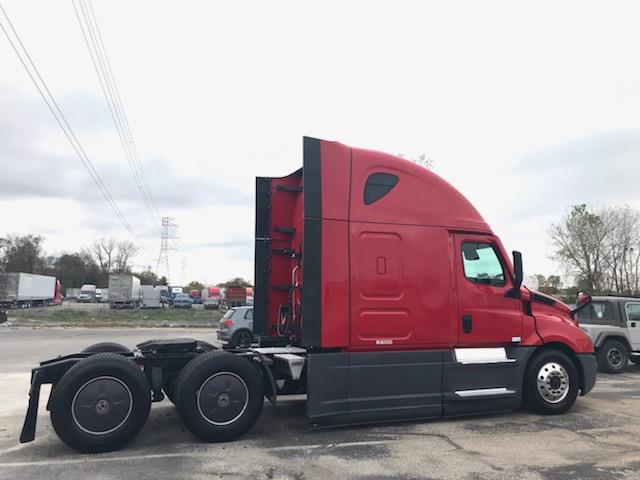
597,440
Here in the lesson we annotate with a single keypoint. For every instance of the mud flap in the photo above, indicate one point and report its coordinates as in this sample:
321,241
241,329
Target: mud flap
270,389
29,428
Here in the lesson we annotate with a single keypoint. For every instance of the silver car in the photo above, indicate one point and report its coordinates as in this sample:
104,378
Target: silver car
236,327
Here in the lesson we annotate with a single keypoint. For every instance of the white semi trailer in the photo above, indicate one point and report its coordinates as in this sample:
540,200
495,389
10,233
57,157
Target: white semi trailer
151,296
124,290
19,290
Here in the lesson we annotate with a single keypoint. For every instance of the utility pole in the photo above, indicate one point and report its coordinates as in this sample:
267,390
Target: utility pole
168,240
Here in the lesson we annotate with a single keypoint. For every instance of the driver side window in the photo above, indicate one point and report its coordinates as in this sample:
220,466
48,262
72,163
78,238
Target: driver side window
481,264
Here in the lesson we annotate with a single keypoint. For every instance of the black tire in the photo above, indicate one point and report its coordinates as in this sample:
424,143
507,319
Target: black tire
241,339
559,381
119,397
612,356
169,389
231,412
105,347
206,346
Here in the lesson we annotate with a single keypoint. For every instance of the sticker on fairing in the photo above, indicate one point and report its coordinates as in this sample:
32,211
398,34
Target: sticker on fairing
385,341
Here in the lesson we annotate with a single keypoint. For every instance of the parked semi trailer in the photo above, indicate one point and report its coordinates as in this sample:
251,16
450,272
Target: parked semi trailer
124,290
72,293
211,297
233,296
23,290
380,292
151,295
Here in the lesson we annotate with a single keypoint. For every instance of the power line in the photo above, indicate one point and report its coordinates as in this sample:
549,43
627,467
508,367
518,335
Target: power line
119,108
99,59
124,113
55,110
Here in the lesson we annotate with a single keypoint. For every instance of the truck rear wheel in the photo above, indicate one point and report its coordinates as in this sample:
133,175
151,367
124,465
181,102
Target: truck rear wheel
612,356
551,383
105,347
219,396
101,403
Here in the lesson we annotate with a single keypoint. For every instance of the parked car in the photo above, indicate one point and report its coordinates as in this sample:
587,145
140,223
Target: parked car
613,323
87,294
182,300
236,327
99,296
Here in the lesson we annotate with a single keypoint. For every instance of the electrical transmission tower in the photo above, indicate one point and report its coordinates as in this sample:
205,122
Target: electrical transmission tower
167,244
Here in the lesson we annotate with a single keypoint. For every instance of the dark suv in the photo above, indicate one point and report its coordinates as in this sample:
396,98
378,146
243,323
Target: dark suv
613,323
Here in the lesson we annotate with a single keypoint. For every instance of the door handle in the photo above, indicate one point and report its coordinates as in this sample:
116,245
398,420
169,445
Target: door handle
466,323
633,324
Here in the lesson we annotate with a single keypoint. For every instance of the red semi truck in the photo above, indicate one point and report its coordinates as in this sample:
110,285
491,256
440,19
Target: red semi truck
380,292
234,296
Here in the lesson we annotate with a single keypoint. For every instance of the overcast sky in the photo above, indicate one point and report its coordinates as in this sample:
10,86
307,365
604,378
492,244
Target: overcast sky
527,110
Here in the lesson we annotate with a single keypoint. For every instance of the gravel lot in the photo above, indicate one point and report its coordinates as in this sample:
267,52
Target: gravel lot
597,440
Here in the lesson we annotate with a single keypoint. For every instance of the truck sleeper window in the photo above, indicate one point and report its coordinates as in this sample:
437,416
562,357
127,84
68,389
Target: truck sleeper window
481,264
377,186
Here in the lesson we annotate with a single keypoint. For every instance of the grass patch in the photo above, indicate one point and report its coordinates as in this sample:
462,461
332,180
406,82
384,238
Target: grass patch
91,315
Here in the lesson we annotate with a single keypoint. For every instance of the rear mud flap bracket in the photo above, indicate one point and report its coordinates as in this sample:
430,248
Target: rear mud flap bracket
29,428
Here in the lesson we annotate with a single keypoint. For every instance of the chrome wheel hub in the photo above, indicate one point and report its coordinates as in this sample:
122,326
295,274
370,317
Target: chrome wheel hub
553,382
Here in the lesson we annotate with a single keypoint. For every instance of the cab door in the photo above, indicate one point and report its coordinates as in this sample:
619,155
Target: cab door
486,314
632,311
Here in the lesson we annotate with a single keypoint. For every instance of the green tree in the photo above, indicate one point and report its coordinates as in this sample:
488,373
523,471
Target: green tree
147,277
22,253
235,282
580,242
74,270
110,255
194,285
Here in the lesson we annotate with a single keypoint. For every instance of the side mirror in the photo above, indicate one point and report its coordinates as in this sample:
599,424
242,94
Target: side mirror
517,270
470,252
583,298
517,276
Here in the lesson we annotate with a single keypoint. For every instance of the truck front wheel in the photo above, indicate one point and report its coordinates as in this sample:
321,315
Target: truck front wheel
219,396
551,383
612,356
101,403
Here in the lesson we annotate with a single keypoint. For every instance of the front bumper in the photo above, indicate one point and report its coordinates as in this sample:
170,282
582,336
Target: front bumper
589,369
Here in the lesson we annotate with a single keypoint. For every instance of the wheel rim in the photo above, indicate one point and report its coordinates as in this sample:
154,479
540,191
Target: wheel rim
223,398
553,382
244,339
101,405
614,356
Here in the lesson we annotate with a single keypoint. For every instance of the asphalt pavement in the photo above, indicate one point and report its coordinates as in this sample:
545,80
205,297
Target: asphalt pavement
596,440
